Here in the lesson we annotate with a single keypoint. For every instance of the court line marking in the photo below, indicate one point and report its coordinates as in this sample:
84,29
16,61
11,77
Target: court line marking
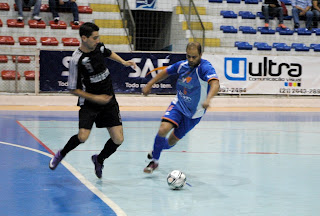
79,176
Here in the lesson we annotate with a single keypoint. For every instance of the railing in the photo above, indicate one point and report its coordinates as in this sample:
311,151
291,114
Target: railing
128,22
187,15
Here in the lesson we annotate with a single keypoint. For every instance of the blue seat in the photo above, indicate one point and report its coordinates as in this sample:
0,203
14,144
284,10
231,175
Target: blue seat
286,2
247,30
281,46
243,45
316,31
260,14
246,15
300,47
265,30
315,47
228,29
303,31
262,46
216,1
284,31
251,1
234,1
228,14
287,17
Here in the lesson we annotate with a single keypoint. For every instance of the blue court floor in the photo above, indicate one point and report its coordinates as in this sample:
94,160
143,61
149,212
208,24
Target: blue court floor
236,163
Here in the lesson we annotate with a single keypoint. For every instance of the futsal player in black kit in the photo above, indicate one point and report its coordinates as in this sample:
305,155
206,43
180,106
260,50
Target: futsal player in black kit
89,78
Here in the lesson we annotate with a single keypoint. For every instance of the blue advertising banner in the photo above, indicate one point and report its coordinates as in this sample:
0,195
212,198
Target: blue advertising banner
54,71
146,4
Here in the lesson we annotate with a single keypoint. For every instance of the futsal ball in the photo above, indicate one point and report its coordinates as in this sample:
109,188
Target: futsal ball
176,179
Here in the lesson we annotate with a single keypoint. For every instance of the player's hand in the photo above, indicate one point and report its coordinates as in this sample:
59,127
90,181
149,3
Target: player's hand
102,99
206,104
146,90
130,63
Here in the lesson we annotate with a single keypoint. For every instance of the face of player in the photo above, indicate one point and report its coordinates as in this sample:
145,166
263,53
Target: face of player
91,42
193,56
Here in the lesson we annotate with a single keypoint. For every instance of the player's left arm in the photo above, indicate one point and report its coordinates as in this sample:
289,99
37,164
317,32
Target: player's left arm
114,56
214,88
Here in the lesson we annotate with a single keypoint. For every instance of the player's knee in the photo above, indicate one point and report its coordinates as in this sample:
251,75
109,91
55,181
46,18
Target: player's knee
82,138
118,140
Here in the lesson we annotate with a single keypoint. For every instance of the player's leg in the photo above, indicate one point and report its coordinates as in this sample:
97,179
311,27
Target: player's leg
111,119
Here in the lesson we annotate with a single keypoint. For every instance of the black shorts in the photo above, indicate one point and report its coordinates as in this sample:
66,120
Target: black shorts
103,116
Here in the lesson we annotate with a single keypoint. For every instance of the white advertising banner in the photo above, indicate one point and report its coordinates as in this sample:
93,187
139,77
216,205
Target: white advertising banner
253,74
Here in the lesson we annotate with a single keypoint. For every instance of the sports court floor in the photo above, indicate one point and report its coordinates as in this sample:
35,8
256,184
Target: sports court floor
250,163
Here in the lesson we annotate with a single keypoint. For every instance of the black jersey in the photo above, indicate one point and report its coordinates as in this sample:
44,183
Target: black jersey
89,72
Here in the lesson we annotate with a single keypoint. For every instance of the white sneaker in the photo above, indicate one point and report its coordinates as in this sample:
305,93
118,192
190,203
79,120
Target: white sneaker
20,18
56,19
76,22
37,18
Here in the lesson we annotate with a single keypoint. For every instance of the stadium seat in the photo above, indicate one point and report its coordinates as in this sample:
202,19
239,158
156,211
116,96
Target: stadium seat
228,14
85,9
316,31
9,75
247,30
14,23
260,14
265,30
30,75
49,41
4,7
234,1
1,24
215,1
287,17
37,24
24,8
315,47
281,47
262,46
3,59
58,25
251,1
70,42
303,31
22,59
27,41
73,26
300,47
286,2
243,45
6,40
228,29
284,31
44,8
246,15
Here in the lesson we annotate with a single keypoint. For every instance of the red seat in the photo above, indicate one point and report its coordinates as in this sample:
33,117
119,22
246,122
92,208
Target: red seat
24,8
30,75
73,26
85,9
3,59
9,75
15,23
49,41
4,6
44,8
22,59
37,24
58,25
70,42
27,41
6,40
1,24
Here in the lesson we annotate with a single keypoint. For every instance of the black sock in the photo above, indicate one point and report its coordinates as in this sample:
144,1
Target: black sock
72,144
109,148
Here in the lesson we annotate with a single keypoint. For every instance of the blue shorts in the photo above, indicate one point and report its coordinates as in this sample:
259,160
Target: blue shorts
182,123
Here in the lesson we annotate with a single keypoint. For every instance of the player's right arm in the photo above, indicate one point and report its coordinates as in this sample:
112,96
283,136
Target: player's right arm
160,76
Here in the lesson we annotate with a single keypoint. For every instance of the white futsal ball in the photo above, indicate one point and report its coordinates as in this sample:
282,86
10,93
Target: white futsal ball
176,179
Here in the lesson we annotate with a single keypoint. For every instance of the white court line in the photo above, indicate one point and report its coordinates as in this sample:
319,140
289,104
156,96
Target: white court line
89,185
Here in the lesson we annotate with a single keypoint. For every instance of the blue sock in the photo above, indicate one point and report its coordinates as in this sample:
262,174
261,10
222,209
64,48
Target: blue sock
159,143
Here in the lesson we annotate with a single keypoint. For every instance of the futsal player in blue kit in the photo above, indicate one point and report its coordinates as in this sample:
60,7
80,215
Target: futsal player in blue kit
89,78
197,83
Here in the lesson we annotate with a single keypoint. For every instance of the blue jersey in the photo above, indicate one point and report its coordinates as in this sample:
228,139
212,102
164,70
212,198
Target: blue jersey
192,86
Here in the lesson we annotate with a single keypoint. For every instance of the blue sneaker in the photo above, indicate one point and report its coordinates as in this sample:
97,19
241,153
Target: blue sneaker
54,162
97,166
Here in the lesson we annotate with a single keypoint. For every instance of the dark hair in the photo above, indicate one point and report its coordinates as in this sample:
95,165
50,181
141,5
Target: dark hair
195,44
87,28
